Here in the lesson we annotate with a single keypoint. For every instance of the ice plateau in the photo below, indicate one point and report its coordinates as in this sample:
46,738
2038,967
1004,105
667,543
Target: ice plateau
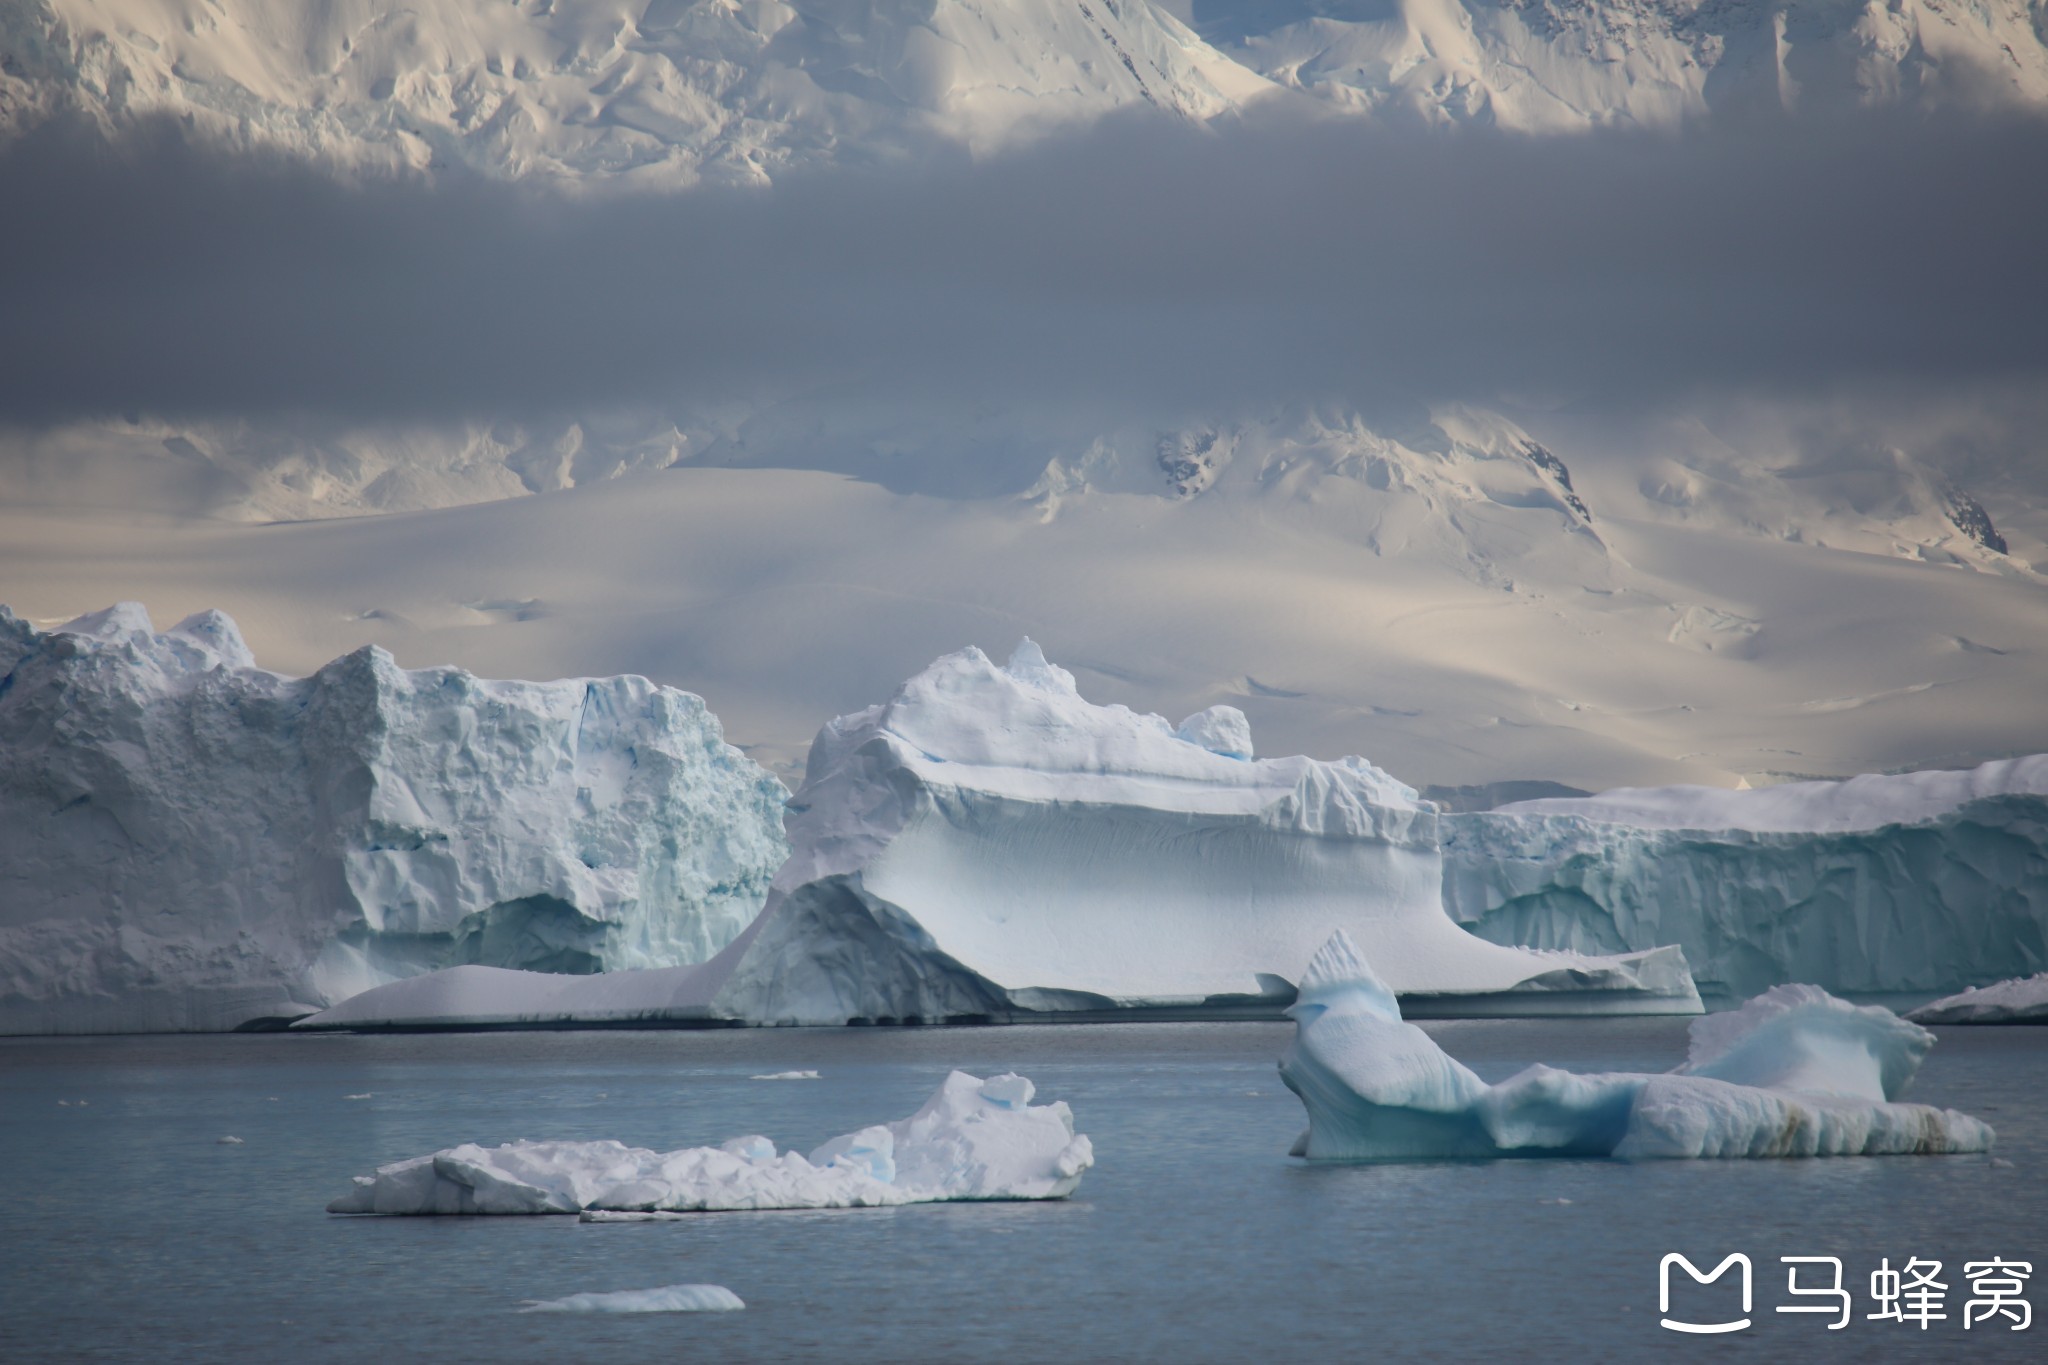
1924,881
190,842
989,844
973,1139
1794,1072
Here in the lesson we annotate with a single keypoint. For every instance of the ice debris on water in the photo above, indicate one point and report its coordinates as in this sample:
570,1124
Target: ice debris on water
673,1298
973,1139
786,1076
229,1141
1795,1072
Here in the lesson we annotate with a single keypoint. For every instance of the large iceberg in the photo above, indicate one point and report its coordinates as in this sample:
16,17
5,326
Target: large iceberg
987,844
190,842
2022,1000
1924,881
1794,1072
974,1139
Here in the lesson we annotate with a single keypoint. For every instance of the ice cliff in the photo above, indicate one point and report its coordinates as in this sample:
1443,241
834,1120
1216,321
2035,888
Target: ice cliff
987,843
1794,1072
1922,881
189,842
974,1139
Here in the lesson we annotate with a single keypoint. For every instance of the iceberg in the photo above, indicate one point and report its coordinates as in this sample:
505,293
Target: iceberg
670,1298
2022,1000
973,1140
1922,881
1795,1072
989,845
189,842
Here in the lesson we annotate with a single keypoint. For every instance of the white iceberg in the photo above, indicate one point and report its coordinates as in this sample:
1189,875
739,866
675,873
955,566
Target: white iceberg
1923,881
974,1139
670,1298
988,844
2022,1000
190,842
1795,1072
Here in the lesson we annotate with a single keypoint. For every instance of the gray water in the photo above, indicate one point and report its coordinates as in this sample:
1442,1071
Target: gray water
132,1234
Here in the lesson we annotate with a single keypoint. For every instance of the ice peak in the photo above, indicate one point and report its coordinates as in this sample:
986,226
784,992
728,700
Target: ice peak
110,623
1029,665
1339,971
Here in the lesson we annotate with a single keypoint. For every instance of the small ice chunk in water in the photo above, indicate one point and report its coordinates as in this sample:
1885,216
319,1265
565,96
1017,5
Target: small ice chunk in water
229,1141
1795,1072
673,1298
786,1076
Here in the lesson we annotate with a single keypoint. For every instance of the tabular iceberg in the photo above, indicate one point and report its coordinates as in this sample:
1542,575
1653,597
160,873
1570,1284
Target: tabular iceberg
1794,1072
973,1139
2022,1000
987,844
189,842
1922,881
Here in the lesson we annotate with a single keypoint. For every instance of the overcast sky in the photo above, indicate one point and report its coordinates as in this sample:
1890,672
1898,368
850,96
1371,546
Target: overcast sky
1141,261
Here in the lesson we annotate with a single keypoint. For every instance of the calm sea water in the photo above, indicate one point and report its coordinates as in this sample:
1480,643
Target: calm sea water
132,1234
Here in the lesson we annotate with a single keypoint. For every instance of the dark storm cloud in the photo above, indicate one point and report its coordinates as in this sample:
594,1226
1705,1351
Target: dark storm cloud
1139,261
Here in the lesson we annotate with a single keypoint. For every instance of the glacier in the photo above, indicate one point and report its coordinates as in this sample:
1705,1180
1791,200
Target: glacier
1914,882
2021,1000
190,842
973,1140
988,844
1794,1072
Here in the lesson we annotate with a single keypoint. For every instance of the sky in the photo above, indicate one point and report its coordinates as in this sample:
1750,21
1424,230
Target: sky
1142,262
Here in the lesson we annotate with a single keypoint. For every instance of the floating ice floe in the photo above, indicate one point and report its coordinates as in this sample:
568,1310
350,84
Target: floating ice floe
974,1139
2022,1000
1923,881
1794,1072
672,1298
988,844
786,1076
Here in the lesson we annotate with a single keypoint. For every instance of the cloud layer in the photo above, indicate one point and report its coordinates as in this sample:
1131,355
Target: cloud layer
1141,262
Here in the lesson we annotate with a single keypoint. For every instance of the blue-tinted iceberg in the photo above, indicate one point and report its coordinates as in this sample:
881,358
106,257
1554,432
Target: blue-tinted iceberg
1925,881
974,1139
189,842
1794,1072
989,844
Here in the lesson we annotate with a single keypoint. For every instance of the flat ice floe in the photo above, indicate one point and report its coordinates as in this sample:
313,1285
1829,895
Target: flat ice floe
1794,1072
974,1139
2022,1000
670,1298
989,844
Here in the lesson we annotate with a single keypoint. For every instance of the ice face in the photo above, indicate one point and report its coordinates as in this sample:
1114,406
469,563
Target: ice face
1913,882
189,841
1793,1073
973,1139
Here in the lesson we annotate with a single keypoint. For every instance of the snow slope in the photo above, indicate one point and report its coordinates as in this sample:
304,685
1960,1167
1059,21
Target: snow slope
973,1139
1920,881
989,844
1555,66
1794,1072
654,93
189,842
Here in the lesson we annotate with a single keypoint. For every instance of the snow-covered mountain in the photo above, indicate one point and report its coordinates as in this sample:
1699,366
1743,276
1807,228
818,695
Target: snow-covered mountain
1560,65
661,93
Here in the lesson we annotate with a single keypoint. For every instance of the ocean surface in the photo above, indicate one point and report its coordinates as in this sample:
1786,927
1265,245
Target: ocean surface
133,1234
